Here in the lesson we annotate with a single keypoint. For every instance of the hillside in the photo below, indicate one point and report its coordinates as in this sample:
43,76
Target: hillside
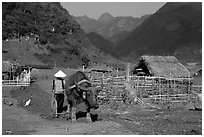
101,43
175,29
109,26
45,34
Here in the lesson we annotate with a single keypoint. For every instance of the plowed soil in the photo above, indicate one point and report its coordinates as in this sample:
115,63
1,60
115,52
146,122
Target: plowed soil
36,118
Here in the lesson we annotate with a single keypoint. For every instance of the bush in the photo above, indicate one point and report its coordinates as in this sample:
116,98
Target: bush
85,60
43,38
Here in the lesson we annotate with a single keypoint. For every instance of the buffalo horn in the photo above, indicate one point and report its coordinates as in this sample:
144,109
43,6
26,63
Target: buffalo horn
80,82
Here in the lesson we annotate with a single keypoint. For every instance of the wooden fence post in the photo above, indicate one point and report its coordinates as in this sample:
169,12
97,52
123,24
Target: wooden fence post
117,72
128,73
130,90
83,68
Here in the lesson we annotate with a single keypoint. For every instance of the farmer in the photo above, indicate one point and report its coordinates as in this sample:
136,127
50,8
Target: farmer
58,87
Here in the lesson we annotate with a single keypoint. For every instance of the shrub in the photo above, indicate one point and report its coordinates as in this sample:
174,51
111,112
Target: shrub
85,60
43,38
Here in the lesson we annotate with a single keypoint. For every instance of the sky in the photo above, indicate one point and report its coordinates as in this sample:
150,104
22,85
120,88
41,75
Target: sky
95,9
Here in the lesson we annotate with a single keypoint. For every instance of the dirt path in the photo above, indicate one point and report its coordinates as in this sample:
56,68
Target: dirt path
18,121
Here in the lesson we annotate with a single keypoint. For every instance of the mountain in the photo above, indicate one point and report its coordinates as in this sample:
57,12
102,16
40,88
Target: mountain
104,45
175,29
44,33
86,23
119,37
106,18
109,26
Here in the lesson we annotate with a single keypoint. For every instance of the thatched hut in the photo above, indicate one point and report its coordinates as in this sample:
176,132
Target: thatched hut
198,72
13,70
6,66
8,70
101,68
161,66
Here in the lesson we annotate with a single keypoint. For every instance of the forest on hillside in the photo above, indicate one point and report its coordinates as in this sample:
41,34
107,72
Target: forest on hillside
48,21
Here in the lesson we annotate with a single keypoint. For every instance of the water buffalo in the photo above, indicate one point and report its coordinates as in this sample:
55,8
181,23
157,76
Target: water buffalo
78,90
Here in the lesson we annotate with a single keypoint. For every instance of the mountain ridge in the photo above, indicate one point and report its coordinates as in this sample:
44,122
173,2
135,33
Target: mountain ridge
109,26
174,27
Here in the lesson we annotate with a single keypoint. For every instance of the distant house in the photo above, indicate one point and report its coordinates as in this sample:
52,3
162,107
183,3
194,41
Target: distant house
161,66
198,73
101,68
15,71
7,70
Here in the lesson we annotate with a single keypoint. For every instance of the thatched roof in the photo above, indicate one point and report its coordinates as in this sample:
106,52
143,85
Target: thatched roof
7,66
101,68
163,66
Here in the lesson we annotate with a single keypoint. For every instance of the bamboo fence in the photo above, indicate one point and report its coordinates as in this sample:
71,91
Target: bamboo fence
157,89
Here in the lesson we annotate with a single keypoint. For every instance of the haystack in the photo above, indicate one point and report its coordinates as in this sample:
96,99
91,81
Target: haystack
162,66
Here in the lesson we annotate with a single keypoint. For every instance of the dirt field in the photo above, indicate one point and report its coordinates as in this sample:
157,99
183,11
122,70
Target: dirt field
36,118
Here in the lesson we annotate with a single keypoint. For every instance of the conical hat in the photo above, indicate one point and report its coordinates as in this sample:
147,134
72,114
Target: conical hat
60,74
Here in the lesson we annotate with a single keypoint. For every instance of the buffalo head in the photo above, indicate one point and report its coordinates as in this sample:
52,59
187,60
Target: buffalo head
92,95
89,94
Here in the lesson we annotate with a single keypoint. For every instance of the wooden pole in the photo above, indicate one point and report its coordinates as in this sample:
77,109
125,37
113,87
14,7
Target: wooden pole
170,81
29,74
55,66
117,72
159,89
131,91
128,72
137,87
174,84
189,84
83,68
145,85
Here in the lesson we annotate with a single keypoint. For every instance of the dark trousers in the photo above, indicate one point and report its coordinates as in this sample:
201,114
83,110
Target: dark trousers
60,101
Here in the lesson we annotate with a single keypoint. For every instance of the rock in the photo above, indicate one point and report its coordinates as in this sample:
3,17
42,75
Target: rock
10,104
8,132
194,132
7,102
